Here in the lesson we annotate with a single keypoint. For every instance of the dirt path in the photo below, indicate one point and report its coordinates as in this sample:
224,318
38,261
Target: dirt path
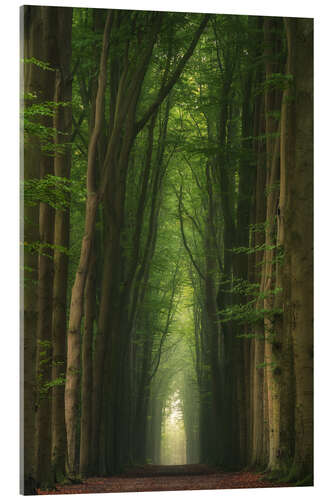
167,478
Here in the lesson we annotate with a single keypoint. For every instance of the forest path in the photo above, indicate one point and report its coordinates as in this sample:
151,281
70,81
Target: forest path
168,478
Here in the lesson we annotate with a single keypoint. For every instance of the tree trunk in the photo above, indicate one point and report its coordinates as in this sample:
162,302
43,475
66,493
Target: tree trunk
272,104
87,372
259,239
31,159
273,387
282,348
299,238
62,167
45,269
244,201
213,326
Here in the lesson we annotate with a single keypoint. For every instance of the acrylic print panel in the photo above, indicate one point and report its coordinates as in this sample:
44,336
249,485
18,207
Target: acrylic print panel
168,214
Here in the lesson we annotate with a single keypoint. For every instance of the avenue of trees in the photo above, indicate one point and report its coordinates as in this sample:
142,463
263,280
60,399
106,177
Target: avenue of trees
167,246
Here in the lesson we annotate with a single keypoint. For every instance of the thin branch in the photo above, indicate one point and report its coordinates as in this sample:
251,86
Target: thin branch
195,123
168,321
217,48
195,223
187,248
193,172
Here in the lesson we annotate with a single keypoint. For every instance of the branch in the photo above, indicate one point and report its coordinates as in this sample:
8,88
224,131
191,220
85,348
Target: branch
166,89
193,172
99,106
168,321
217,48
187,248
212,214
195,223
196,124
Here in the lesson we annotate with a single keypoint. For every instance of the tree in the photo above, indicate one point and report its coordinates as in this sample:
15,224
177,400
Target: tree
31,171
298,215
62,167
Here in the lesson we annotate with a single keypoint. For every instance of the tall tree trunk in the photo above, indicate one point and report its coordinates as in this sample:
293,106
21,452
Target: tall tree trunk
32,33
62,167
299,238
273,387
213,326
102,338
259,239
142,398
244,201
87,371
272,104
44,338
45,268
282,348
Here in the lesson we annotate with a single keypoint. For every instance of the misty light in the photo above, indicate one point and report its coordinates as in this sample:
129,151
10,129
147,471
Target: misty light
173,450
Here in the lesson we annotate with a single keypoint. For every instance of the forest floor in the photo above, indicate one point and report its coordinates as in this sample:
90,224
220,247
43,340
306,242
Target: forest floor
167,478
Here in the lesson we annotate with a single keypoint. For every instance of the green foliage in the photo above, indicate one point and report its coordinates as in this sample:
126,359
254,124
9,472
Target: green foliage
36,116
271,365
60,381
44,249
45,343
39,109
37,62
254,249
271,188
259,227
247,313
52,190
242,287
279,81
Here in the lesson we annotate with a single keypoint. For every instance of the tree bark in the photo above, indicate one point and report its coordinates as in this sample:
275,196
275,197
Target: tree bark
87,370
259,239
45,268
272,104
32,27
62,167
299,238
282,348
